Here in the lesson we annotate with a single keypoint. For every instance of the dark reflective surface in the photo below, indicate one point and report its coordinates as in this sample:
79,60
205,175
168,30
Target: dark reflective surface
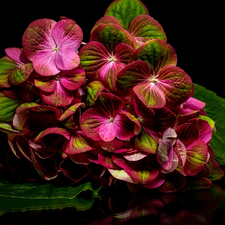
119,206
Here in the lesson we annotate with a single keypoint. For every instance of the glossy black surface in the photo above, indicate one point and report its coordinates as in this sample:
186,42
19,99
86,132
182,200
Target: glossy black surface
116,205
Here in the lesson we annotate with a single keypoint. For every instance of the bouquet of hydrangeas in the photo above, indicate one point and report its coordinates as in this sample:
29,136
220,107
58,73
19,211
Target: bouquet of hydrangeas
118,103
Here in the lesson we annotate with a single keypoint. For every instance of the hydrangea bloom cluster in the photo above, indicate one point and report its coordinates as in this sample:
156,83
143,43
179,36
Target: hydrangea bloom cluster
119,103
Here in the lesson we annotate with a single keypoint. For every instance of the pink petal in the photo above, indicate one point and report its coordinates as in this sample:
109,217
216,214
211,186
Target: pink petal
176,84
150,94
48,86
204,129
125,127
187,133
37,37
157,182
72,79
77,144
90,123
111,145
108,72
66,58
44,63
192,105
14,54
66,33
108,131
60,97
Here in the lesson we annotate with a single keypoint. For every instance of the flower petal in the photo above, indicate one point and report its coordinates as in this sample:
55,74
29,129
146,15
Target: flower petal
93,56
66,58
37,37
72,79
204,129
176,85
157,54
60,97
197,154
144,28
44,62
108,131
106,20
77,144
150,94
131,75
142,171
66,33
145,142
110,35
125,12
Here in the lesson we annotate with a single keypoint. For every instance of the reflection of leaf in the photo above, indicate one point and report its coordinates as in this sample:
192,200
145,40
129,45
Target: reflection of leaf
215,108
33,196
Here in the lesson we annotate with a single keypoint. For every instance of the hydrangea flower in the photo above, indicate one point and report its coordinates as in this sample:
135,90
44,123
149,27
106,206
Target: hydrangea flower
52,46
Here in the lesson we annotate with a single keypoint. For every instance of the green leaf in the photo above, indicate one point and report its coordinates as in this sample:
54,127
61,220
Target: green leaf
33,196
126,10
7,108
215,108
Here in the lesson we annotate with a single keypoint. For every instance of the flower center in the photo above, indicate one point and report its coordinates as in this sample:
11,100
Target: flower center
140,119
111,119
112,58
56,49
153,80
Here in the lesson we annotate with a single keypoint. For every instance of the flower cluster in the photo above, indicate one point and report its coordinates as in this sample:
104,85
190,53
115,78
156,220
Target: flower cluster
119,102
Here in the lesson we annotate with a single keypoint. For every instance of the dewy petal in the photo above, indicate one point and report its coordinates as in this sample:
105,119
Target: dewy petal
44,63
150,94
176,85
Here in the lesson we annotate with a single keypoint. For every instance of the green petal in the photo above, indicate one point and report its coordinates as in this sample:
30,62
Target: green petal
126,10
157,54
110,35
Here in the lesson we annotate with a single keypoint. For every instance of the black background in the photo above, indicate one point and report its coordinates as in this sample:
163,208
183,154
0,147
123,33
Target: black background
195,30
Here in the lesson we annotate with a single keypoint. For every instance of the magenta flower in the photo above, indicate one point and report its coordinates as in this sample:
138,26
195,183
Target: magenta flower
108,51
52,46
59,90
152,124
15,68
154,77
106,120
